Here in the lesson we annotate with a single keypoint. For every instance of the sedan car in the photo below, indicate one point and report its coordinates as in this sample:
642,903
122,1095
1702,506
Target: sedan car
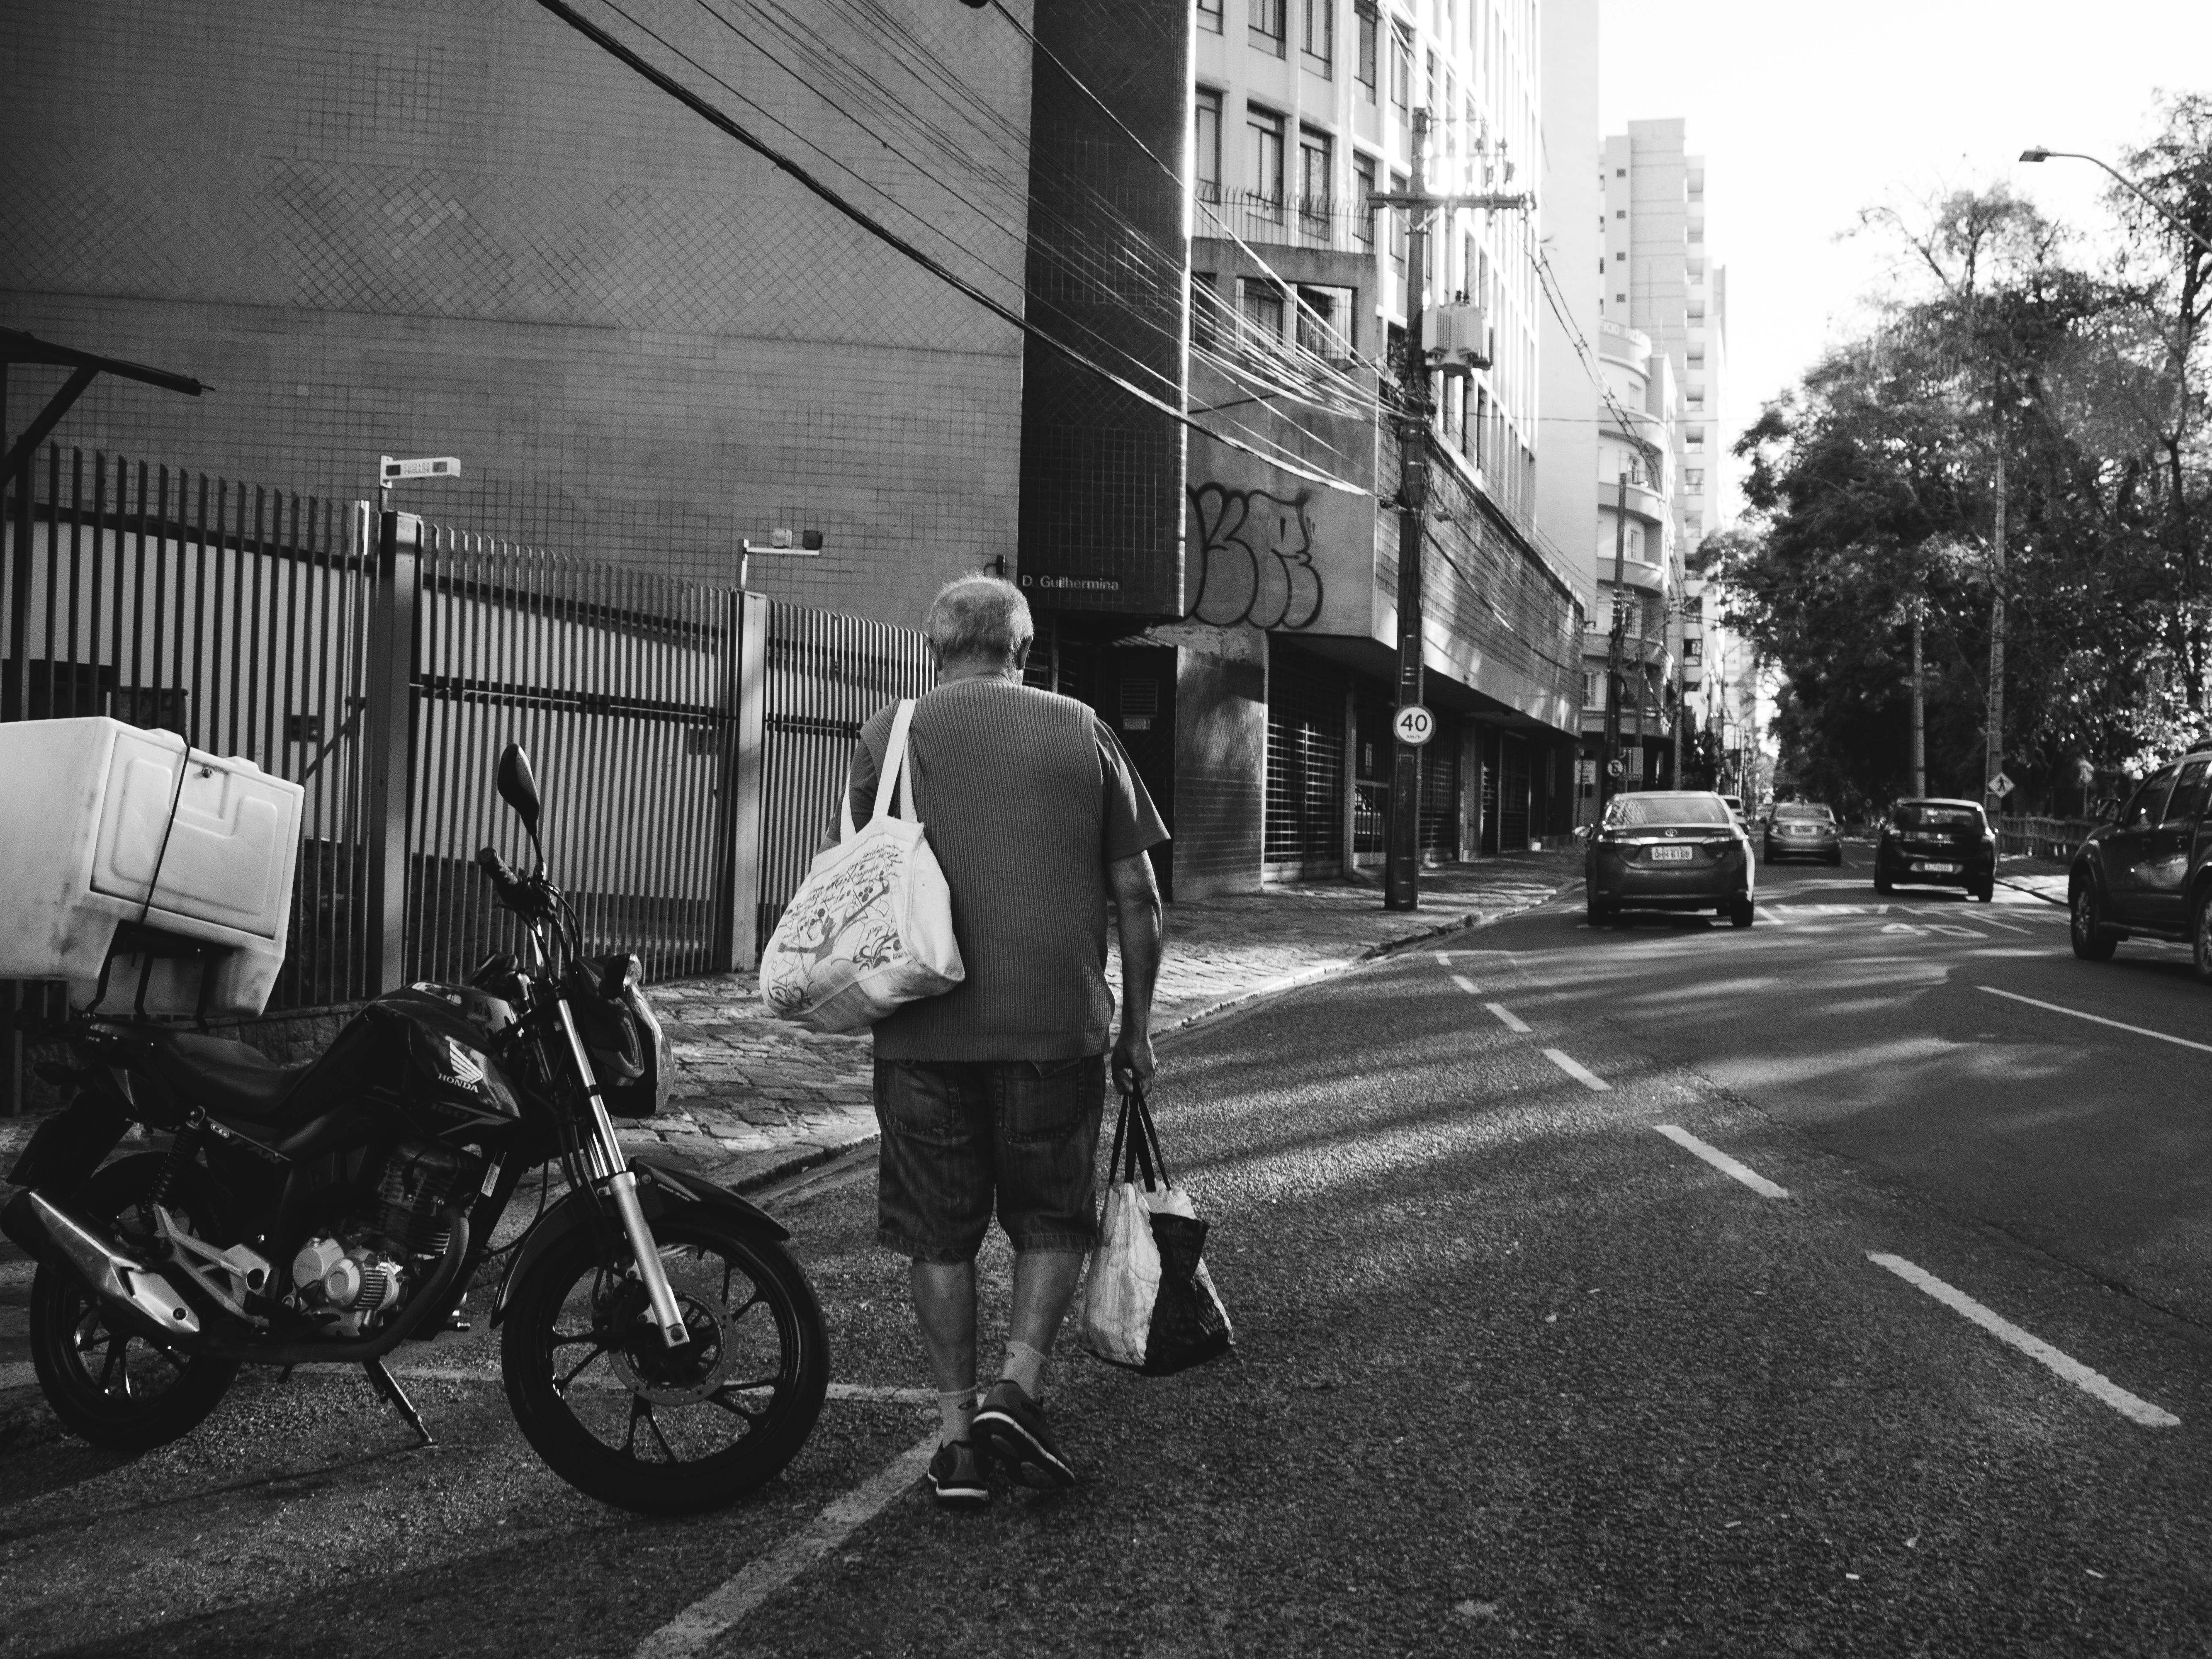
1668,850
1936,843
1799,829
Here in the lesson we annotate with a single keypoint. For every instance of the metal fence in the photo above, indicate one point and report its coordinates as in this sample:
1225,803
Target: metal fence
822,676
2042,838
689,740
235,616
621,685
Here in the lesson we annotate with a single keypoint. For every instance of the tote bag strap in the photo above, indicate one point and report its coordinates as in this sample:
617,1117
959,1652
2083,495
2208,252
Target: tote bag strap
894,780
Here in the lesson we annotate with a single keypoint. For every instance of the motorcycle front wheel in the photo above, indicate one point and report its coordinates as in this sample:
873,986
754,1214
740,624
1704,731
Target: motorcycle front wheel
618,1414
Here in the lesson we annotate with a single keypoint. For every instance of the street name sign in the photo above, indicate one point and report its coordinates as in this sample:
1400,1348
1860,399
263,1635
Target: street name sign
1414,725
390,472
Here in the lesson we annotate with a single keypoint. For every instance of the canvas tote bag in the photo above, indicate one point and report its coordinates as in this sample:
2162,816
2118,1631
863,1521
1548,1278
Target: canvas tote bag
870,927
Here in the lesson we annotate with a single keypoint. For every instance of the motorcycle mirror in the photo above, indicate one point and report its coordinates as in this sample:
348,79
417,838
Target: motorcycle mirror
518,786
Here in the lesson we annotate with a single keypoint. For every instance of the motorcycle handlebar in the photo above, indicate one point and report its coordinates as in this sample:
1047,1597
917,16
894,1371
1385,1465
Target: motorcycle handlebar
510,886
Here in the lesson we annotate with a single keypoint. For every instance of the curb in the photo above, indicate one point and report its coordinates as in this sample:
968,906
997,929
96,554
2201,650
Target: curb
2031,893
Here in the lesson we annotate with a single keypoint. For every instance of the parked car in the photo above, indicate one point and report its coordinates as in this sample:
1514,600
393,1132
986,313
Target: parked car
1668,850
2145,870
1802,829
1933,842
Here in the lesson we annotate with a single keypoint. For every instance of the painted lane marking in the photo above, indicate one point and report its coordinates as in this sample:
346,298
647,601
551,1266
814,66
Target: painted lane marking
1506,1017
1443,958
1721,1160
2135,1409
713,1613
1467,985
2117,1025
1956,931
1991,922
1577,1071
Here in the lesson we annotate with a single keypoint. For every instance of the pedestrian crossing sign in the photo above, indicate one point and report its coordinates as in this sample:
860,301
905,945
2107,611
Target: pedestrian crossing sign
2000,786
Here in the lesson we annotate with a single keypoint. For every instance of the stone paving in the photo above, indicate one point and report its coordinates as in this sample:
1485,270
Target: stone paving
755,1098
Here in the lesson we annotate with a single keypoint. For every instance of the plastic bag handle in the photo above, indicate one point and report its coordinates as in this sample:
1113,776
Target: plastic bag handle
1144,1145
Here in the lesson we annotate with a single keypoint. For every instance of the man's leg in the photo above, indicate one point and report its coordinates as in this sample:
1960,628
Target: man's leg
944,1307
1044,1285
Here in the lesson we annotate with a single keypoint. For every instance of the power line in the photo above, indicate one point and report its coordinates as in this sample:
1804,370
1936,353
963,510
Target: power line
884,232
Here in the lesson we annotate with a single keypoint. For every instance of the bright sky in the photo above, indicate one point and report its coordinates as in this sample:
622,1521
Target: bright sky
1807,111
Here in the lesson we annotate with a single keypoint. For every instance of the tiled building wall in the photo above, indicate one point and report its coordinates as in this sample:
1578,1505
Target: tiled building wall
415,228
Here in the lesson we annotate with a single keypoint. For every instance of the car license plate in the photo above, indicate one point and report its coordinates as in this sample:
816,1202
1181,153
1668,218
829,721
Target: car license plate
1937,869
1673,854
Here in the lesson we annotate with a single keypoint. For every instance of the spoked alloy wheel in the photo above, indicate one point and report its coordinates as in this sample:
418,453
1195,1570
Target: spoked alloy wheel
2093,941
620,1415
104,1381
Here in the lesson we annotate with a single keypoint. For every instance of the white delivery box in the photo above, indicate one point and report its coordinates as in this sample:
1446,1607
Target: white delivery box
97,828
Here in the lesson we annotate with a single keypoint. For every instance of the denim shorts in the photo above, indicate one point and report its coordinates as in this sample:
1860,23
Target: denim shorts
958,1135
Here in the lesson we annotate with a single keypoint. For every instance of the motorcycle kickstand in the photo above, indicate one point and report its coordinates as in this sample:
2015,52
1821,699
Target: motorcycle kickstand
388,1386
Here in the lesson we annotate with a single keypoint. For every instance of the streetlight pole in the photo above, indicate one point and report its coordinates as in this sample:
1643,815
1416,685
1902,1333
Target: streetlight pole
2039,153
1401,871
1615,643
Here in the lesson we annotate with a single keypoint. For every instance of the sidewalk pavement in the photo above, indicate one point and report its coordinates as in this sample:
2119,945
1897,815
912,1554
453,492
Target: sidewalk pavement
2045,877
756,1099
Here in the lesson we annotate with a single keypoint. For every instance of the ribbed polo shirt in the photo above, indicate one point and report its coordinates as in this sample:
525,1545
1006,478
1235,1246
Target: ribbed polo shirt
1025,798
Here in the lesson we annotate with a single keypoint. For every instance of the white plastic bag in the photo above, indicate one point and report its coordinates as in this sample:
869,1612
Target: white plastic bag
870,927
1125,1278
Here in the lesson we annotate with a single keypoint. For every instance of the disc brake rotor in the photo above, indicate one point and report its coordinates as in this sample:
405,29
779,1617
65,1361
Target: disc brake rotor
652,1370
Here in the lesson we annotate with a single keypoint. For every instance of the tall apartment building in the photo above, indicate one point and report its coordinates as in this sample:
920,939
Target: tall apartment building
1301,109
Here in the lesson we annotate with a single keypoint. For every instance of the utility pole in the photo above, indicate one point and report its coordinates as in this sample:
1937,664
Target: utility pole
1995,801
1919,710
1614,642
1401,872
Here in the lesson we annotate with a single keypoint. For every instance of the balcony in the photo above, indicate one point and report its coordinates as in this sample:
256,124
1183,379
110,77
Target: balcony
1325,222
1644,502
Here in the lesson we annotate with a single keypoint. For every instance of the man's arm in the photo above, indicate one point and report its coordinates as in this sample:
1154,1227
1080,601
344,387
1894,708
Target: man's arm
1142,928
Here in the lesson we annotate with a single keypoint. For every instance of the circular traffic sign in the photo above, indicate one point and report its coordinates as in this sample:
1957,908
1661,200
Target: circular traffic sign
1414,725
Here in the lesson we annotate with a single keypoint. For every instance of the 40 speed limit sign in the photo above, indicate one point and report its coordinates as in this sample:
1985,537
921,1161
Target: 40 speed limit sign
1414,725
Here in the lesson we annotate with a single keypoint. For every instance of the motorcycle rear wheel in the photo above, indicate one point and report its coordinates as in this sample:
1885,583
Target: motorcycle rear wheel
106,1382
620,1416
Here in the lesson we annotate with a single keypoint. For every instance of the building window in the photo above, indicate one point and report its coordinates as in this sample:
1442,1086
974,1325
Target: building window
1325,320
1428,88
1209,16
1206,163
1620,172
1317,37
1363,216
1205,311
1262,304
1269,31
1370,30
1401,67
1314,176
1620,213
1266,132
1619,259
1693,477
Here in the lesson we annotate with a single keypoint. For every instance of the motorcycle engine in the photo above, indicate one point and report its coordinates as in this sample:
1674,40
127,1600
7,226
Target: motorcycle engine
363,1273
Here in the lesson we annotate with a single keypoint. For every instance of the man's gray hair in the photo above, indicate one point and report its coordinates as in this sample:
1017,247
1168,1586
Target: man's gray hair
980,615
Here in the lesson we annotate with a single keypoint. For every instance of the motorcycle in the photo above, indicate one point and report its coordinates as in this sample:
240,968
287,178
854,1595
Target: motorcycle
660,1347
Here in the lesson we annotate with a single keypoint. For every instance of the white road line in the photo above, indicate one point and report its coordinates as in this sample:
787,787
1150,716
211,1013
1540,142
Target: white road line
713,1613
2097,1019
1956,931
1506,1017
1991,922
1443,958
1574,1069
1721,1160
1467,985
2135,1409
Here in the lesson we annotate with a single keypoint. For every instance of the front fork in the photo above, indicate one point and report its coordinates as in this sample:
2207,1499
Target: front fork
611,1168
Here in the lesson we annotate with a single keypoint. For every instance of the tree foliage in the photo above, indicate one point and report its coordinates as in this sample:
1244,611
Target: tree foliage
1872,491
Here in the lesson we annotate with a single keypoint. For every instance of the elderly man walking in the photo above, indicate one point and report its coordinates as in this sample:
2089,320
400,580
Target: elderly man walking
992,1092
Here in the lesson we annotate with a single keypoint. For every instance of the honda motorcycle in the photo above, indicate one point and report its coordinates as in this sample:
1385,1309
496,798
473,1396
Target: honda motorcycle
660,1348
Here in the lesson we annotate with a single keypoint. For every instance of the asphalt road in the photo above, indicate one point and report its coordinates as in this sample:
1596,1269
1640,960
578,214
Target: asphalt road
1518,1372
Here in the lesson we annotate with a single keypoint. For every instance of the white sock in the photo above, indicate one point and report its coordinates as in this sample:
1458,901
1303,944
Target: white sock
1025,1367
956,1413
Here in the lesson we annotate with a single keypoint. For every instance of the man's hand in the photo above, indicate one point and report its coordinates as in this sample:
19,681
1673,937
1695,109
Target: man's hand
1137,906
1132,1064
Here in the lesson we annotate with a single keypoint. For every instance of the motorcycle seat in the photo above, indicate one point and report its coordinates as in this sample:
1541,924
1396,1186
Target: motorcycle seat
230,1079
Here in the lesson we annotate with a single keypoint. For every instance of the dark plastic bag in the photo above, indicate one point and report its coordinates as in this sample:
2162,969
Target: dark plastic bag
1187,1324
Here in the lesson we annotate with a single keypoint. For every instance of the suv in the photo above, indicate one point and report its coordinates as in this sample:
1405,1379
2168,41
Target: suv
2146,870
1932,842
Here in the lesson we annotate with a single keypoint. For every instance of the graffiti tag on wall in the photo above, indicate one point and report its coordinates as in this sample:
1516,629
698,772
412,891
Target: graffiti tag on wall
1254,559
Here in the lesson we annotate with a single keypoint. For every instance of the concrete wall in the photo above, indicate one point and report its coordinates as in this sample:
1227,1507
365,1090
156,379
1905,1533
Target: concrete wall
414,226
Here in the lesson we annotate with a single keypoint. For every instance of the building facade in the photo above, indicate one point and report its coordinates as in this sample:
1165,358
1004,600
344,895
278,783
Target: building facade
1300,110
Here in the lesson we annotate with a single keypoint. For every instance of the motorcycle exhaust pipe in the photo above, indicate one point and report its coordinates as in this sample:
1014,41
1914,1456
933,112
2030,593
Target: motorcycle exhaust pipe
38,1224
